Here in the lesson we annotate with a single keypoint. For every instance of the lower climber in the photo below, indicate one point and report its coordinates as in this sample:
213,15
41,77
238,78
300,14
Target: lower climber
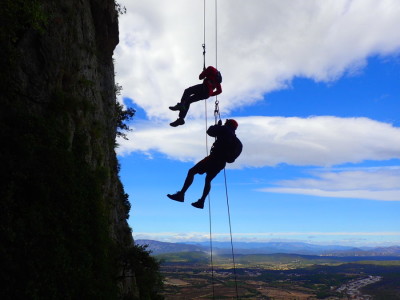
220,154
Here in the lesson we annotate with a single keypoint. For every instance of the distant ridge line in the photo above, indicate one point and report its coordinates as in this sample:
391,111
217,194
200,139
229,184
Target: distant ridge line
158,247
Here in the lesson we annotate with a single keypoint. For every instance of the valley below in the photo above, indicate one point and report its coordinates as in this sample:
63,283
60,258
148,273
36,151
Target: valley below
190,275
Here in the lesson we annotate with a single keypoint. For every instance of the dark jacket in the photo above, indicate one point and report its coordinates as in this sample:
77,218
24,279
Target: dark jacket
225,136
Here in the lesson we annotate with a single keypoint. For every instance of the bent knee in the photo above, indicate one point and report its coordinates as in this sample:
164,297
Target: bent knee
192,171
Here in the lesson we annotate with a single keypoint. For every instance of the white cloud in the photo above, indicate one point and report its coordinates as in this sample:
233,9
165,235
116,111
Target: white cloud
379,183
262,45
390,195
268,141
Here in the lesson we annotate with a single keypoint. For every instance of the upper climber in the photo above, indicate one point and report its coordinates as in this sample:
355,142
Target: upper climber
211,86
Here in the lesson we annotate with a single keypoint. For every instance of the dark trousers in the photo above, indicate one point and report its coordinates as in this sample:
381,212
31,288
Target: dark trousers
211,165
192,94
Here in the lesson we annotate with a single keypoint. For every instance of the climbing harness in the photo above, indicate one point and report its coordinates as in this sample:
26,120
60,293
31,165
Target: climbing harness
217,117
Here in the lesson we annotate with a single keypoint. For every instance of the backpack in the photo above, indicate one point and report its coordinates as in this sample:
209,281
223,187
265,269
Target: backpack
234,150
219,77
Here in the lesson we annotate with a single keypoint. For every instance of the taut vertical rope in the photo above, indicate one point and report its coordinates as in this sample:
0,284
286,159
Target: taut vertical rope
204,34
230,232
217,115
216,34
209,214
206,117
216,43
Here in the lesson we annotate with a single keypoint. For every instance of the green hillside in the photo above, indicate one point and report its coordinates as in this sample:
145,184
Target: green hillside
267,261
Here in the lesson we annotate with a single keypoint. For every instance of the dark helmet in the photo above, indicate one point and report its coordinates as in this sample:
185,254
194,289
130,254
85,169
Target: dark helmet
232,123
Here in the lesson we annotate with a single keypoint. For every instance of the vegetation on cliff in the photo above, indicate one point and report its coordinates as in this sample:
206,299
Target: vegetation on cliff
63,226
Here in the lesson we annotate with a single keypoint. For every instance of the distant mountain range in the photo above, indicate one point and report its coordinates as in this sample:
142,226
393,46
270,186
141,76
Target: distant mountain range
158,247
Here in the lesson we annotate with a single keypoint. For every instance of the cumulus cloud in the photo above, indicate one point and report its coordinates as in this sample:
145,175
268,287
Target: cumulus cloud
262,46
268,141
378,183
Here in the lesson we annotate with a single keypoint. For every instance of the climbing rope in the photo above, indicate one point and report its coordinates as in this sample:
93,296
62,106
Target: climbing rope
216,51
206,118
230,232
209,213
217,117
204,36
216,34
204,56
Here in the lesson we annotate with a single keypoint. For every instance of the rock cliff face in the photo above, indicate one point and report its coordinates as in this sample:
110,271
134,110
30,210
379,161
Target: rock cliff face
64,210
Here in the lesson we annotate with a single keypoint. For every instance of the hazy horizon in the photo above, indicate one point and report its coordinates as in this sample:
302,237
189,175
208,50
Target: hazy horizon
237,241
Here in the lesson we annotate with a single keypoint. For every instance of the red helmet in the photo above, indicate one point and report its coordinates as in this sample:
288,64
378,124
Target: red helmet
232,123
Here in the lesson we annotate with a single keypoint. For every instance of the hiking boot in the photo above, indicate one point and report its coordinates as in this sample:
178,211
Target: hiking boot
198,204
178,196
178,106
178,122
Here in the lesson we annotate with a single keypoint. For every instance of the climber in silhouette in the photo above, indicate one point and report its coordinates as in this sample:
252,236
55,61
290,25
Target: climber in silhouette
211,86
212,164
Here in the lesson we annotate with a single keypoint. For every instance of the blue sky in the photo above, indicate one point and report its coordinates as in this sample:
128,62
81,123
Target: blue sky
315,88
